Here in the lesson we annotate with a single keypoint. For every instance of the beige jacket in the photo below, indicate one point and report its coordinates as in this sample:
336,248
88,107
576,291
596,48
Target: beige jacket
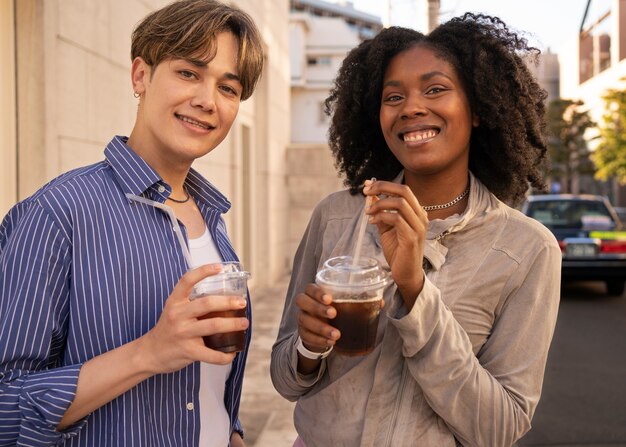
464,366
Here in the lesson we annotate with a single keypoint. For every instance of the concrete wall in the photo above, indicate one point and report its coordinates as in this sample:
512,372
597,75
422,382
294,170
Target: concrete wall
312,176
74,93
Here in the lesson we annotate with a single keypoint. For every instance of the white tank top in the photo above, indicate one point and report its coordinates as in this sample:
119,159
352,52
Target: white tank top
214,420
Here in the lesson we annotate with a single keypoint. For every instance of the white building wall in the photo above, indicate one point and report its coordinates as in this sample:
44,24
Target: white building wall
591,91
74,93
328,39
325,40
298,28
309,124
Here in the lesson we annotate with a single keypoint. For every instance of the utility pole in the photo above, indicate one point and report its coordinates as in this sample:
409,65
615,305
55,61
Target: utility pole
387,19
432,14
425,13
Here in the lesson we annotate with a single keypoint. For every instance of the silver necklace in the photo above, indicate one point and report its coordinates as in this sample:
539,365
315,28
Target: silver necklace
449,204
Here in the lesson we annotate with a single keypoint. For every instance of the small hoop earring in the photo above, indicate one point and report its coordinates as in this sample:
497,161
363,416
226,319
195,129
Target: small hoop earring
136,95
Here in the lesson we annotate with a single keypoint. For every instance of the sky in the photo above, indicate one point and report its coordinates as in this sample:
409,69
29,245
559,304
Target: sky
546,24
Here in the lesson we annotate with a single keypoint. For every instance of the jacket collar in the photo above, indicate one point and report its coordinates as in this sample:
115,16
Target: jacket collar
479,201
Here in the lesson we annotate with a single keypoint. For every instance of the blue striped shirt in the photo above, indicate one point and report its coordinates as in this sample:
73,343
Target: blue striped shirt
84,270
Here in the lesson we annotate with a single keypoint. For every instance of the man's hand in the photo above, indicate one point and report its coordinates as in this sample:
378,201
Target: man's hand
176,340
173,343
236,441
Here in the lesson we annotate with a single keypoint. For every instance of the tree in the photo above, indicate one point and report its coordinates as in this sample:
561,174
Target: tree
567,147
610,155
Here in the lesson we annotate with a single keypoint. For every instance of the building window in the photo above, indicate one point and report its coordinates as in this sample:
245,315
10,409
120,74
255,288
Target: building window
595,48
319,61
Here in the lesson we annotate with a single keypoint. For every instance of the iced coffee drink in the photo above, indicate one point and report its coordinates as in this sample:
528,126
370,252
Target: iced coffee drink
231,281
357,292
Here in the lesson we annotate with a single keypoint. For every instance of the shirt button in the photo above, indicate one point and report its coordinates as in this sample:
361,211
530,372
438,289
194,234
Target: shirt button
190,406
161,188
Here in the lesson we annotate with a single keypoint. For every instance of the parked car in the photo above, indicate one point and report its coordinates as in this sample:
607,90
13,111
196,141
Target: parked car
621,213
590,234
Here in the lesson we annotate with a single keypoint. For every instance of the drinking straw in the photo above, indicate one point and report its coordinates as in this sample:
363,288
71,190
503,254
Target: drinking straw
175,225
359,240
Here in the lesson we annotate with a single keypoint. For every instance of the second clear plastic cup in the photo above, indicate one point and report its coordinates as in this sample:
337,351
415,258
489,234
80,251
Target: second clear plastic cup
231,281
357,292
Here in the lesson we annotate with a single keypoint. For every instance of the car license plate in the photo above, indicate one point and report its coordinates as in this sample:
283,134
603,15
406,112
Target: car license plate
581,250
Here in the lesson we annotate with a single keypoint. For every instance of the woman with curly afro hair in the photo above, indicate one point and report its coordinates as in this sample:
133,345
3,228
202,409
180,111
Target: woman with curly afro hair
437,136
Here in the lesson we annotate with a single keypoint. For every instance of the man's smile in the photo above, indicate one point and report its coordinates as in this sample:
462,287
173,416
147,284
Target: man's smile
201,124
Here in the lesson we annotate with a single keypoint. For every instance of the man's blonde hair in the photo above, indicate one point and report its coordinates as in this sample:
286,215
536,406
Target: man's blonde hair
187,29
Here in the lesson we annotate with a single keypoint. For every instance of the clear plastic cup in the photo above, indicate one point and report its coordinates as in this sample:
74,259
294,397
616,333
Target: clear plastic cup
231,281
357,292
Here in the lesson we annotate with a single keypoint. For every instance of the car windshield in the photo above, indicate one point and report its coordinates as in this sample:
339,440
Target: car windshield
571,213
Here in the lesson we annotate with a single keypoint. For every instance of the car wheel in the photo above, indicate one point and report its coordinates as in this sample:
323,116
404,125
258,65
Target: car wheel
615,287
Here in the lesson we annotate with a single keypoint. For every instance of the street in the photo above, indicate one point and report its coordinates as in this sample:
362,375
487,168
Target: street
584,395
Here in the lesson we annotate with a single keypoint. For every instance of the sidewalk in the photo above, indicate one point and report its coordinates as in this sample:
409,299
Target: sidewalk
266,416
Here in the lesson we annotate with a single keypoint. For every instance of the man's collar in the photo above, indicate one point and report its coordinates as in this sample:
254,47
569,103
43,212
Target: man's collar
204,192
136,177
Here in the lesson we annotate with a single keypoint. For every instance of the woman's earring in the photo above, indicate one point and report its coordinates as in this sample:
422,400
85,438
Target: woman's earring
136,95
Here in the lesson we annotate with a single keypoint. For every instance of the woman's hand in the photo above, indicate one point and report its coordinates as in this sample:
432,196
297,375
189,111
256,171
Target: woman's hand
176,340
313,326
402,225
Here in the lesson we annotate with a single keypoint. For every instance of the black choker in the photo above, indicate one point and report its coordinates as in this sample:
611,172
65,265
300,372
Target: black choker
185,200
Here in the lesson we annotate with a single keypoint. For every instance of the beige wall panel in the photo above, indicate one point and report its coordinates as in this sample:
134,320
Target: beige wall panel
8,149
110,110
75,153
31,97
126,15
85,24
71,92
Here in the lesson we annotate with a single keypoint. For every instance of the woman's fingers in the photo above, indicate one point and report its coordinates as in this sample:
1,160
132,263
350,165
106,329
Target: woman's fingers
315,302
313,318
391,190
316,340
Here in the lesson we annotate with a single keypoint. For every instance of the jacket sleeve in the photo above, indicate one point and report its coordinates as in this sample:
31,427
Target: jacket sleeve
486,399
35,390
283,368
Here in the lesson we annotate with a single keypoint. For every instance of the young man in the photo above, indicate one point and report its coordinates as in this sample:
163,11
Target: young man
100,342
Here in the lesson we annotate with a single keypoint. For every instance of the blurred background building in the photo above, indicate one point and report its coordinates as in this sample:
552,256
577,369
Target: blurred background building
593,64
320,36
